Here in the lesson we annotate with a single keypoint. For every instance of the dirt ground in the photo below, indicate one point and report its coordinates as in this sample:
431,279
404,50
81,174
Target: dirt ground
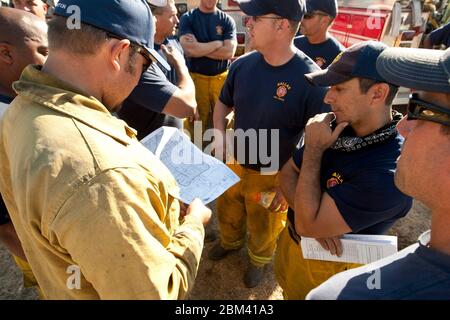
221,280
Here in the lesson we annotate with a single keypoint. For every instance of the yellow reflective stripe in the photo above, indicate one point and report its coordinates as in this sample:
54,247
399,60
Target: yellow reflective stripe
259,260
232,245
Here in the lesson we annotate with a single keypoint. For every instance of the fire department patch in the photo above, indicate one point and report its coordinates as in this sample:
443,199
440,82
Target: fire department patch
335,179
282,90
320,62
219,30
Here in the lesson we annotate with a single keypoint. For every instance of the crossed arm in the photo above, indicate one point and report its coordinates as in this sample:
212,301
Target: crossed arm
217,50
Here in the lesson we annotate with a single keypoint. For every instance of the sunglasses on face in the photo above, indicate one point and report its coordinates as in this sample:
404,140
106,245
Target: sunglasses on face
422,110
148,61
137,48
257,18
311,15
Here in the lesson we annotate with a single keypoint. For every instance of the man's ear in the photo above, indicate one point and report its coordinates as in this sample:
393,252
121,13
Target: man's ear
6,53
284,25
380,91
118,53
46,6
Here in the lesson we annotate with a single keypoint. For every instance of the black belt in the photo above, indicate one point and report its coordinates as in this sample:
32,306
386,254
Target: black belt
293,234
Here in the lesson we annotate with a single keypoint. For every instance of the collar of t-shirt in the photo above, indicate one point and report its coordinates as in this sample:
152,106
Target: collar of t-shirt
5,99
157,46
437,258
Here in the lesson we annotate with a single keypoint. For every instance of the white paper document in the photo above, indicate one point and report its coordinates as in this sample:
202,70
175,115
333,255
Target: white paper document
198,175
357,248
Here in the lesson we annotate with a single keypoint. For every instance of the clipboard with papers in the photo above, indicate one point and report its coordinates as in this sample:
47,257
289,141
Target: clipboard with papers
362,249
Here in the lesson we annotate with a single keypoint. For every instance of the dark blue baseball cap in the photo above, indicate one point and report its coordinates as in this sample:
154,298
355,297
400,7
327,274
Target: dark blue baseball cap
357,61
329,7
125,19
289,9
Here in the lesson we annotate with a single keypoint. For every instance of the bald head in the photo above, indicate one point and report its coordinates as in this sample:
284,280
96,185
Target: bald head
23,41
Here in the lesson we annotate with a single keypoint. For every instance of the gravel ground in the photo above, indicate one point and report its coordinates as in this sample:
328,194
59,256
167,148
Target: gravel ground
221,280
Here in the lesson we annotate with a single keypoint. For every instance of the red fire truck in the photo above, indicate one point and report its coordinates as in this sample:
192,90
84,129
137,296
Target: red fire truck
394,22
399,23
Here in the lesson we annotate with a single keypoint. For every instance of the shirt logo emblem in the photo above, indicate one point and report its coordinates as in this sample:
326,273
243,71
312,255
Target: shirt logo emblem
219,30
282,90
320,62
335,179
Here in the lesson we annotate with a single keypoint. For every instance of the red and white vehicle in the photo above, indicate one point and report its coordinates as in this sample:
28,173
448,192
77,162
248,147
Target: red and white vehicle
397,23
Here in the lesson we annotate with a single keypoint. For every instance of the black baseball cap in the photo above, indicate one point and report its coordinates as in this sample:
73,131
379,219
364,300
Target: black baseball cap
420,69
329,7
129,19
357,61
289,9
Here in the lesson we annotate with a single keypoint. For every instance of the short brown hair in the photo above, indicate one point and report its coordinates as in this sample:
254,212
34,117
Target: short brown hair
86,40
365,84
295,26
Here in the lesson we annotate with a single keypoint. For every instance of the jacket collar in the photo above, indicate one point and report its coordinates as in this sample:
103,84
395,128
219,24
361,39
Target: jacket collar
54,94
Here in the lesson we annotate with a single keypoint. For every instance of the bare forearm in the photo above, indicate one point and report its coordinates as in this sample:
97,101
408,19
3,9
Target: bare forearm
9,238
221,111
308,193
185,82
223,53
200,49
288,183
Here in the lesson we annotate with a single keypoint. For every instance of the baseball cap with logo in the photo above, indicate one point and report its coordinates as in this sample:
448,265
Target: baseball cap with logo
329,7
289,9
125,19
357,61
420,69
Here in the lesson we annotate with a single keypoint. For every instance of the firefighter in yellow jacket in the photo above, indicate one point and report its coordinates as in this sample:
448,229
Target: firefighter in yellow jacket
93,208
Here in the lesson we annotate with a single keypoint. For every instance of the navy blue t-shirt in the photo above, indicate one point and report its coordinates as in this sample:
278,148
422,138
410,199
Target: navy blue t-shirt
4,216
172,74
272,98
361,184
142,109
441,36
207,27
323,53
415,273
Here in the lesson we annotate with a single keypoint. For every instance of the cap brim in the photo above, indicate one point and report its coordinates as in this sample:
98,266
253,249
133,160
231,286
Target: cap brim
326,78
418,69
155,56
252,8
157,3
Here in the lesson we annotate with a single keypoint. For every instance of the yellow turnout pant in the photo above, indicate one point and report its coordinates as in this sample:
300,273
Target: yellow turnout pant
238,213
207,91
28,277
298,276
